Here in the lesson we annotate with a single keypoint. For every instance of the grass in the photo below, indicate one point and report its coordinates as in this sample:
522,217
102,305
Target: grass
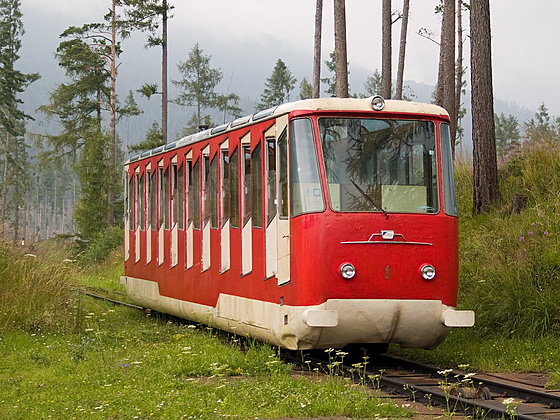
35,289
126,364
105,275
111,362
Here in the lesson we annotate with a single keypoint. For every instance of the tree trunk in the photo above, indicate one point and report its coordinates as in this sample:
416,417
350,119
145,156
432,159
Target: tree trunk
5,187
113,119
340,52
16,193
445,94
317,50
485,166
458,74
386,71
402,48
164,73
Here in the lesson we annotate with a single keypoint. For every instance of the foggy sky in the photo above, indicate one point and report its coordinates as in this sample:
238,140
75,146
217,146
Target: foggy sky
246,37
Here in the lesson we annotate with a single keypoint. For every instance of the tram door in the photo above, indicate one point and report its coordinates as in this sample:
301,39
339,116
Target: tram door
283,231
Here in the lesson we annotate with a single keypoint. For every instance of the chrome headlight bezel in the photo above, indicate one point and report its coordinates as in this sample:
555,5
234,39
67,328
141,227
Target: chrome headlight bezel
347,271
428,272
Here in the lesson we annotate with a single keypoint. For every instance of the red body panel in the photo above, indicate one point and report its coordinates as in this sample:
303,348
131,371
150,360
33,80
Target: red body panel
384,269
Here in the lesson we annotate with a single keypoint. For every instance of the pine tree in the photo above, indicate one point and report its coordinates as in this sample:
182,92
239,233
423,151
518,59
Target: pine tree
198,82
154,138
100,39
278,87
12,118
373,83
93,170
78,106
305,89
540,129
194,125
507,133
129,109
228,104
78,103
331,81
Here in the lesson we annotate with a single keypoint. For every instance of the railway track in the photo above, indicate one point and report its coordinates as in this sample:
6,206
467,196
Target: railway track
456,392
95,293
460,393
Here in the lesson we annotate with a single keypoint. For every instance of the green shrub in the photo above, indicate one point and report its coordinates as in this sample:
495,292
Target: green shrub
99,248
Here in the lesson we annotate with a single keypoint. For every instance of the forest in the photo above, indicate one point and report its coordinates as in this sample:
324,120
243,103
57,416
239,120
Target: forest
69,182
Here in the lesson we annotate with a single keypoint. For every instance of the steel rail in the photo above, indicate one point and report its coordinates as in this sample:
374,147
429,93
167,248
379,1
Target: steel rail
113,301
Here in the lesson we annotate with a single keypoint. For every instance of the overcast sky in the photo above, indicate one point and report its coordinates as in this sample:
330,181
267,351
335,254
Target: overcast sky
255,33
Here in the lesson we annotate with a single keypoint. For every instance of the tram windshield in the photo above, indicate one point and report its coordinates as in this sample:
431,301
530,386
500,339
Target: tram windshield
375,165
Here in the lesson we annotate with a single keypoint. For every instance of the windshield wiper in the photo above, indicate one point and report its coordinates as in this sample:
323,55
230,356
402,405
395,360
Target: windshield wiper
368,198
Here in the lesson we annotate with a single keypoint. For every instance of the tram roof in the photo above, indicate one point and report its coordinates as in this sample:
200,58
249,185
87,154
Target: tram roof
320,104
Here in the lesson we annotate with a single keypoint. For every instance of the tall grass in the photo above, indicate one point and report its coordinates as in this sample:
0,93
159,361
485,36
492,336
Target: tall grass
510,262
36,291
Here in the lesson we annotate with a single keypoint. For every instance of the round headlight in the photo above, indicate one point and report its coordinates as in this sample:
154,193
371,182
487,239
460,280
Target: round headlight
377,103
347,271
428,272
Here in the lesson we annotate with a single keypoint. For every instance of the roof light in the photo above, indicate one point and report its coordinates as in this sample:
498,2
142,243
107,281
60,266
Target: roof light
377,103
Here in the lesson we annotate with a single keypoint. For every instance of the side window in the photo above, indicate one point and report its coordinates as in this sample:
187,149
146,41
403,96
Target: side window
130,211
181,197
283,175
153,201
225,188
270,179
160,197
137,201
142,196
190,193
234,188
306,192
256,187
166,198
214,193
207,196
174,193
196,194
449,200
247,205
